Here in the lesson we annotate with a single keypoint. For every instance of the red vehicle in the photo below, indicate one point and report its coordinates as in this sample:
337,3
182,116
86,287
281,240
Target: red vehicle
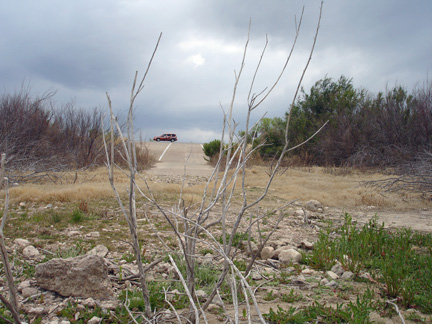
166,137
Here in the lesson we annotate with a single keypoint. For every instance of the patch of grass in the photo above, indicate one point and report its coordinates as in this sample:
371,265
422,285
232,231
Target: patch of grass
416,318
206,251
28,269
237,239
39,217
324,254
157,297
128,257
70,312
269,296
72,251
283,277
55,218
77,216
401,261
240,264
205,276
353,312
291,297
4,313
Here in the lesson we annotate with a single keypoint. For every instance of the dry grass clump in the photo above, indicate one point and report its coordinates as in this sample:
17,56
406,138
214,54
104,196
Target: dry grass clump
333,188
60,193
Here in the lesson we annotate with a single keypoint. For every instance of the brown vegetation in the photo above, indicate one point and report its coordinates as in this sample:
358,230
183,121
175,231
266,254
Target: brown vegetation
39,138
334,187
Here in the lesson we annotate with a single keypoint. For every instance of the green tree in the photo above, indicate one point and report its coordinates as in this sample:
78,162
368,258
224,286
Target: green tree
335,101
271,135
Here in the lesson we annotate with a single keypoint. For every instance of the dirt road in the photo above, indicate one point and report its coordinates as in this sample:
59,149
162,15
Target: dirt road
172,158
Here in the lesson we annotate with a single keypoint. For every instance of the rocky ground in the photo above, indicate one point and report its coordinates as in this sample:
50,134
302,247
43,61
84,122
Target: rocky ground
97,277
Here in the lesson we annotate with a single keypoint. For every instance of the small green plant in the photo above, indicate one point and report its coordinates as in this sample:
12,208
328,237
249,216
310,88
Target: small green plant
240,264
237,239
291,297
416,318
269,296
317,313
77,216
206,251
28,269
284,277
128,257
206,277
38,217
157,297
323,255
72,251
70,312
55,217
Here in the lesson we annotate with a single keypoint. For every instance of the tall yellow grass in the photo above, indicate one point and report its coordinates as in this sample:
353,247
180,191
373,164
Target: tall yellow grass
332,188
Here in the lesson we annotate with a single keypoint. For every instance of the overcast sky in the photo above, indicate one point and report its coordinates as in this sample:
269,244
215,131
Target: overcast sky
83,49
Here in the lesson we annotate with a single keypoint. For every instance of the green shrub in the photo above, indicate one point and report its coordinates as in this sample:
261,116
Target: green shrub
212,149
77,216
401,261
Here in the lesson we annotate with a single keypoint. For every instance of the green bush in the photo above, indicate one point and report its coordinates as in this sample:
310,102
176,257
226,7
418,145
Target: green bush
77,216
211,149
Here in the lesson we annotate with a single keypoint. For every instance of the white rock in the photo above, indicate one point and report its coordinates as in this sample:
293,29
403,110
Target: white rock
299,212
73,233
337,268
267,253
22,243
30,252
365,275
331,275
37,310
253,249
306,245
84,276
100,250
24,284
347,275
308,271
217,301
289,256
207,260
201,294
332,284
109,304
269,270
313,205
324,282
280,249
89,302
29,291
94,320
213,308
93,235
256,275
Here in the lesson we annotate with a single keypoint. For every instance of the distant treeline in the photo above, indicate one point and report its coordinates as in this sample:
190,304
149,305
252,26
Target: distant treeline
364,129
